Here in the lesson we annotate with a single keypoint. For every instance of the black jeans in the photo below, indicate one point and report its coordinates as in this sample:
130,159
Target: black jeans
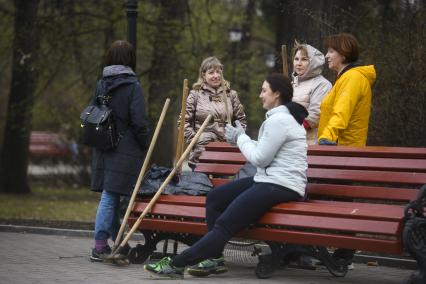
229,209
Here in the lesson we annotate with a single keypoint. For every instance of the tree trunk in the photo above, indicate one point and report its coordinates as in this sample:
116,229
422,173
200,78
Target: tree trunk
14,155
165,76
244,73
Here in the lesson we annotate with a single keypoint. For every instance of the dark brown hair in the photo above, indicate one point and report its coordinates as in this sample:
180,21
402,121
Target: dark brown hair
345,44
121,52
278,83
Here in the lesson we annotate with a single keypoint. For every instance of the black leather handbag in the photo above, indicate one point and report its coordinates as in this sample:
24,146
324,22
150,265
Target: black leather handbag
98,127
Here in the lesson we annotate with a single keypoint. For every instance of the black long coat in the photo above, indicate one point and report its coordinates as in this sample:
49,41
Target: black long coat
117,170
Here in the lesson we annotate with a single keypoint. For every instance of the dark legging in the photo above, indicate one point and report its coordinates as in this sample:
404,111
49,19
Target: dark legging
229,209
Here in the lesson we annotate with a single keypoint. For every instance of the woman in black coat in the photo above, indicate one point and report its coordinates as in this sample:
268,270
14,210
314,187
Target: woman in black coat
114,172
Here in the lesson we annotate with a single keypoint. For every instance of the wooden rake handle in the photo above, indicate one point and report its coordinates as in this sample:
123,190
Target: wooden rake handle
284,59
164,184
225,99
180,138
143,170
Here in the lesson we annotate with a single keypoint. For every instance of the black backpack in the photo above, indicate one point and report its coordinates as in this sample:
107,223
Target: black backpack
98,127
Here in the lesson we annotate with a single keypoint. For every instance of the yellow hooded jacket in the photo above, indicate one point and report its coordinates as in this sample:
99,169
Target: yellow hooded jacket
345,110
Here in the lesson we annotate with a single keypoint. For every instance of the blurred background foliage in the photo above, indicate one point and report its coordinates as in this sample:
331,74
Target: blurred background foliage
173,36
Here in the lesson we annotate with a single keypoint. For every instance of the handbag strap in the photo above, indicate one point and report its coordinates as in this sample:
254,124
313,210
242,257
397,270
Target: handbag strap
103,98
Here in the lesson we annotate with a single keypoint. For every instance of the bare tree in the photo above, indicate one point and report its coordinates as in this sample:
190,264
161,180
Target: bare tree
165,74
14,155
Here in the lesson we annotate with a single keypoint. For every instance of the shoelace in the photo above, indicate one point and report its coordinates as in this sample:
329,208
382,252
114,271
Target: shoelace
165,261
207,262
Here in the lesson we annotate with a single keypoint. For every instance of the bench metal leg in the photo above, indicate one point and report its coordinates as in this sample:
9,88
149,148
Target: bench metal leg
337,267
414,236
140,253
269,262
283,254
292,254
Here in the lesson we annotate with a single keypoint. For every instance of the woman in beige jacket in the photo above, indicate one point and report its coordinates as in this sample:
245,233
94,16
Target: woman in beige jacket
207,97
310,87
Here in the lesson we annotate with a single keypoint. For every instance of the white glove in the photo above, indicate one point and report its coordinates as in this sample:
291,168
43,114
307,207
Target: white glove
232,133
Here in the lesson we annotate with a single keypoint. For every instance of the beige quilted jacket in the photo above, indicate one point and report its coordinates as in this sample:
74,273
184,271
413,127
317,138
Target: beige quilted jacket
199,105
309,90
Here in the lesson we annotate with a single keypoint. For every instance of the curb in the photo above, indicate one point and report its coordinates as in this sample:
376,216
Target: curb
404,263
56,231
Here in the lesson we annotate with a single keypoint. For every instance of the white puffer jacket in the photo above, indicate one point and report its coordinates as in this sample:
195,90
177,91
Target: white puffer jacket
280,154
310,89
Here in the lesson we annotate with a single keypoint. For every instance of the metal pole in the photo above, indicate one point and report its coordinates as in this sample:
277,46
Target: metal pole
132,14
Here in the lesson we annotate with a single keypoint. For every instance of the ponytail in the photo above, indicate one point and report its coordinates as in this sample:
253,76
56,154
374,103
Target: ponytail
298,111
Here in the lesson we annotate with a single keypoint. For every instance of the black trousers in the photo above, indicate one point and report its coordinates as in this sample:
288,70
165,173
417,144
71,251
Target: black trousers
229,209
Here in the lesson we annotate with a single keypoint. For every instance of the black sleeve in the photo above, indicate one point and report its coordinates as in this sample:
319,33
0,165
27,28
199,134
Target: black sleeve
139,122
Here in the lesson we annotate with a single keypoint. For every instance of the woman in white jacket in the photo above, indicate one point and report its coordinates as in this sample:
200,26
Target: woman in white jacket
309,86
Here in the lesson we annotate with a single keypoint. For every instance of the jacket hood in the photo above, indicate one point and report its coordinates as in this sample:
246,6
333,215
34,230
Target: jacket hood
316,63
368,72
115,76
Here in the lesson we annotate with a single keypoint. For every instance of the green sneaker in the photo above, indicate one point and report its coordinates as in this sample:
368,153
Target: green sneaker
164,269
208,266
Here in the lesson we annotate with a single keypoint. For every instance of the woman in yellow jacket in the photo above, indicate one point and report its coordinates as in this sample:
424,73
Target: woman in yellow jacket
345,110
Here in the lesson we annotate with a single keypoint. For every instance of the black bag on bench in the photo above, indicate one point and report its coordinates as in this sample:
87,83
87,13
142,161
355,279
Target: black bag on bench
186,183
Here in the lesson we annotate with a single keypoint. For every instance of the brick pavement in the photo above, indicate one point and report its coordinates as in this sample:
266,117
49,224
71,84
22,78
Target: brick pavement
38,258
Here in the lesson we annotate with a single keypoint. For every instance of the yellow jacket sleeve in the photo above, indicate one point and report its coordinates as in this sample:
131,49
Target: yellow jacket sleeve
348,94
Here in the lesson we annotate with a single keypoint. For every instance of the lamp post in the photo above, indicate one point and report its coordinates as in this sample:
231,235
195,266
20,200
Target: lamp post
235,35
132,14
270,60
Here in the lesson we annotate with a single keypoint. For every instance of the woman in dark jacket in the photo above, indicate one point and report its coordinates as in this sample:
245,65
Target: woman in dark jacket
114,172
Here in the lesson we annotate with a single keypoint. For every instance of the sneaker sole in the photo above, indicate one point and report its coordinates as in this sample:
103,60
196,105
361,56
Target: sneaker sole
162,276
204,273
95,259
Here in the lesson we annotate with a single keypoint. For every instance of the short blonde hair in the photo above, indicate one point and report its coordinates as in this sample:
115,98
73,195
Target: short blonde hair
208,63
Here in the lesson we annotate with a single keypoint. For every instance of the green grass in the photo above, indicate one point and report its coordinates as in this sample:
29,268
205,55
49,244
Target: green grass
64,204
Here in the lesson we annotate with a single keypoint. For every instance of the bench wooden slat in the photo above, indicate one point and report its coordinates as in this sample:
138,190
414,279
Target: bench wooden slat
325,239
362,163
220,158
218,169
367,176
349,151
179,207
414,178
367,192
170,225
331,223
218,181
379,212
222,147
380,164
330,175
172,210
369,151
198,201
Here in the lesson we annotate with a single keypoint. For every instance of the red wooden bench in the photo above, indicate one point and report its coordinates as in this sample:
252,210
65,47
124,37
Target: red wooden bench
48,145
356,199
